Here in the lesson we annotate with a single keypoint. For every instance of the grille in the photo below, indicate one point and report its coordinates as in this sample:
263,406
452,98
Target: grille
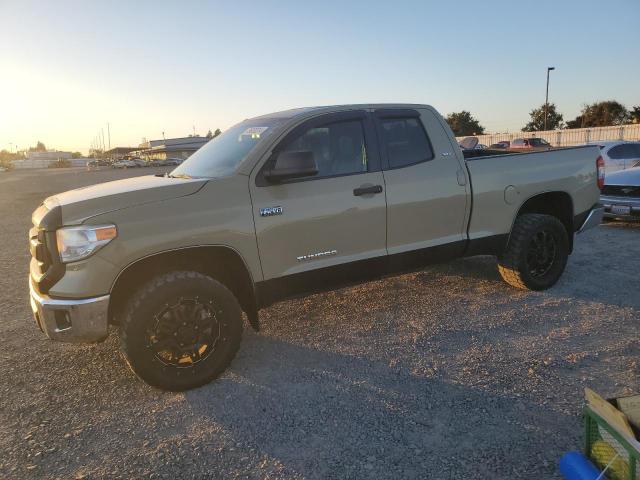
38,249
622,190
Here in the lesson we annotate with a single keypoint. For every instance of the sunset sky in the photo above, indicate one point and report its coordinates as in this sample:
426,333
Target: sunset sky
68,68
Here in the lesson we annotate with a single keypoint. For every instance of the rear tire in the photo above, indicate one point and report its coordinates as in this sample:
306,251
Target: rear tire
536,254
180,330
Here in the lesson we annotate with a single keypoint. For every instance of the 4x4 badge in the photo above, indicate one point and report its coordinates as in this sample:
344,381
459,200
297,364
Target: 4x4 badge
270,211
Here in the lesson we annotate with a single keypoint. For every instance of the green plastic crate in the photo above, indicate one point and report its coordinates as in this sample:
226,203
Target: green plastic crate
603,442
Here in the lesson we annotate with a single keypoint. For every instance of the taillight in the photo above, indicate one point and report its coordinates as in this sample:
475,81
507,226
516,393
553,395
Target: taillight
600,169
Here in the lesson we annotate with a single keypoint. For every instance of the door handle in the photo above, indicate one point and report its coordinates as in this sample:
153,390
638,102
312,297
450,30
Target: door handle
367,190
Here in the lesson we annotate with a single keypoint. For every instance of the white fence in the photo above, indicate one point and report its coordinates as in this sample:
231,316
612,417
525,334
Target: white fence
44,163
568,137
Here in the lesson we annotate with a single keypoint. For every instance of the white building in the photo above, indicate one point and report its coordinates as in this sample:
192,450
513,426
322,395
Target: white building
50,155
44,159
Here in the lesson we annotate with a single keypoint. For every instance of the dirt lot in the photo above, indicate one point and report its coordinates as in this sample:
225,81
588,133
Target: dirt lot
446,373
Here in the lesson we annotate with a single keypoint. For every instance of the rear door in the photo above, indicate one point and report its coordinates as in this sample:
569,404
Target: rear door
426,186
334,218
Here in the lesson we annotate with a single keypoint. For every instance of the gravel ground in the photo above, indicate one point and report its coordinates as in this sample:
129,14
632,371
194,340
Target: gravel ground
446,373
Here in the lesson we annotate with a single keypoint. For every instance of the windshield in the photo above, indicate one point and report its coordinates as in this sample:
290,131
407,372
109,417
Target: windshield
222,154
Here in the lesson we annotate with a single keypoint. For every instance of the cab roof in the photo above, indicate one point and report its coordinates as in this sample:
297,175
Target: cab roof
304,111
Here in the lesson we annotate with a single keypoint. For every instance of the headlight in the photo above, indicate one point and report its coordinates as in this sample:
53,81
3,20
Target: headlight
76,243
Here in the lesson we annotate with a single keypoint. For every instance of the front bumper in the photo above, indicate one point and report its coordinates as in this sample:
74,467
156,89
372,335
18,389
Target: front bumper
77,321
593,219
632,202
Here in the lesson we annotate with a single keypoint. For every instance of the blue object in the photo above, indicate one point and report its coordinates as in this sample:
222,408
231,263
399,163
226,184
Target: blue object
575,466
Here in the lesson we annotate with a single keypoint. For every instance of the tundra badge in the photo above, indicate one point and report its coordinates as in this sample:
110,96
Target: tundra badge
270,211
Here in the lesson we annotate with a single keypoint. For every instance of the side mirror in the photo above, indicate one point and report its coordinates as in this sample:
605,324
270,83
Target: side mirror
292,165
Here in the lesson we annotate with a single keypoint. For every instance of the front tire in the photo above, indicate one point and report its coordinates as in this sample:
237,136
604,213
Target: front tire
536,254
180,330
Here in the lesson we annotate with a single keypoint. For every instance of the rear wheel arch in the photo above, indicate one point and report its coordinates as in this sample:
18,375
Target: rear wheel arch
222,263
558,204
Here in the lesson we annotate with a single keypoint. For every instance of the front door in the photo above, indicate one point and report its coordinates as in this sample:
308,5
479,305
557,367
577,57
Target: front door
336,218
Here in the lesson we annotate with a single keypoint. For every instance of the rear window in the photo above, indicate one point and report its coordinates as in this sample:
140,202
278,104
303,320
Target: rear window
405,141
625,151
618,152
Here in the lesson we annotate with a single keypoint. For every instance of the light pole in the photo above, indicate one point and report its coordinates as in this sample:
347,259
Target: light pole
546,98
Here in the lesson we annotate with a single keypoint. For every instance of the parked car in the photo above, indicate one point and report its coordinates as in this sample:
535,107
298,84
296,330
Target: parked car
619,155
124,163
288,204
502,144
533,143
98,163
166,162
621,194
2,169
140,163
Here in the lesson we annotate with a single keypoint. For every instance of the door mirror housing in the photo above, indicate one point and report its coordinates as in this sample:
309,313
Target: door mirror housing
289,165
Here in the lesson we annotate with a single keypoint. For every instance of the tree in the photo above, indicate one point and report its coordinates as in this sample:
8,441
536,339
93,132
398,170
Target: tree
554,119
76,155
576,122
209,134
601,114
6,157
463,124
635,114
216,133
38,148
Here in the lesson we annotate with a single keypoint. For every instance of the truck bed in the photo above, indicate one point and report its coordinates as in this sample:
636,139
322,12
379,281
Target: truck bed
502,182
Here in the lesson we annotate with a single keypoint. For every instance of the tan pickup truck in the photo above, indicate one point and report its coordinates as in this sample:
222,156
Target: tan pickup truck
286,204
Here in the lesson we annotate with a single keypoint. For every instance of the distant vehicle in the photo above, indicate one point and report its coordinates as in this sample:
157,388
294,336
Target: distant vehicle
98,163
471,143
619,155
621,194
124,164
533,143
166,162
2,169
502,144
140,163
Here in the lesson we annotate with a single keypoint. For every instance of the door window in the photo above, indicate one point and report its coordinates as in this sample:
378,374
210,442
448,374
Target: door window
338,148
405,141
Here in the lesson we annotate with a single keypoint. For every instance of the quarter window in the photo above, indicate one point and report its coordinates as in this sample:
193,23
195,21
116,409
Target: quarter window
405,141
338,148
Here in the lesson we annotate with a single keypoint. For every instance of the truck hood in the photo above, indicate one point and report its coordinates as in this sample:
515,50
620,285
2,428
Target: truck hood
80,204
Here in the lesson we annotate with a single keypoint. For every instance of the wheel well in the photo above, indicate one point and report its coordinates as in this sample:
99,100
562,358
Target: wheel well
556,204
222,263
